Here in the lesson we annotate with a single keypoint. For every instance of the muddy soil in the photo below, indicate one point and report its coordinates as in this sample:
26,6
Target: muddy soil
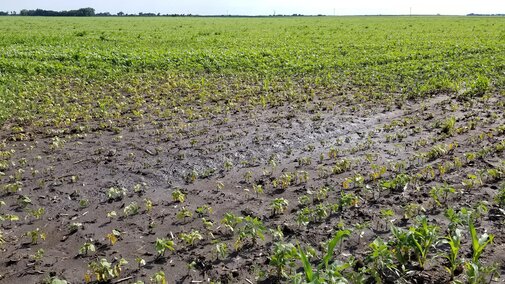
220,161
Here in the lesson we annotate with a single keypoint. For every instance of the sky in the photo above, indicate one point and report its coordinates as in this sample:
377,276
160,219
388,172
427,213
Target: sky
268,7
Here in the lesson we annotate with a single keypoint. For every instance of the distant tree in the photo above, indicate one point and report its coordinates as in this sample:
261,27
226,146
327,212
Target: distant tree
86,12
83,12
120,14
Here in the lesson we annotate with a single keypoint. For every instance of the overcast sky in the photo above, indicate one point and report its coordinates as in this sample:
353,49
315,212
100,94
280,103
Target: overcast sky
268,7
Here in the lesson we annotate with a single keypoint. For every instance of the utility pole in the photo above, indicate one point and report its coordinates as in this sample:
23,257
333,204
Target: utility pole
333,11
410,11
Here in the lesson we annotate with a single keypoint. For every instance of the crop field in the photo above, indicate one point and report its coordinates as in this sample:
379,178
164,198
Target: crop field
252,150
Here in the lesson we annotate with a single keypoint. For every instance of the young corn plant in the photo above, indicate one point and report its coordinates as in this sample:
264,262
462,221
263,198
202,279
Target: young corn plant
401,246
476,273
478,243
423,237
324,266
452,256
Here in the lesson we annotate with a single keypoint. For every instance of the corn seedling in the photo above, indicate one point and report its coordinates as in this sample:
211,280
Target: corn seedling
477,273
478,243
401,245
452,256
324,265
423,237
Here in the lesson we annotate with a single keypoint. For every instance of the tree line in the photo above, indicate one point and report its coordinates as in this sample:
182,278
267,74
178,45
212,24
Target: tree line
90,12
83,12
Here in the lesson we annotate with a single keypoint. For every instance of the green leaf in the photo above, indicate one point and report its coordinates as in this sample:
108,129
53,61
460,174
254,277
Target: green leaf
309,275
332,244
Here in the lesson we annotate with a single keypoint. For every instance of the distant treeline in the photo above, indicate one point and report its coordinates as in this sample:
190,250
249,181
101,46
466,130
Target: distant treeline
83,12
493,15
90,12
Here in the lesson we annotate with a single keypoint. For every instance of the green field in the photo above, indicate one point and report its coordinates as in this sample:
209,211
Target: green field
375,56
252,150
